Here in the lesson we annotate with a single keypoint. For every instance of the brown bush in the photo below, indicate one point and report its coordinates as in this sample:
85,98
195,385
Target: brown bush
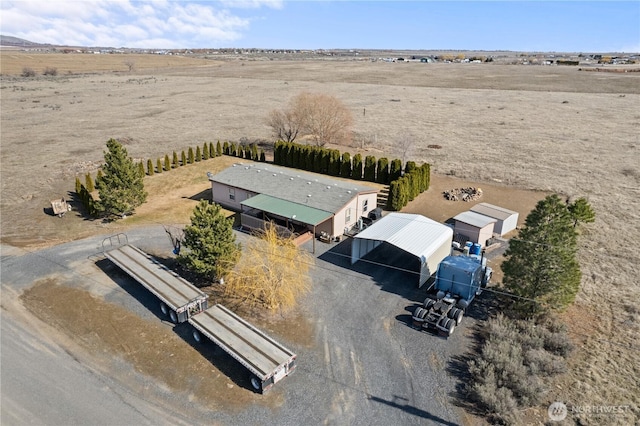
50,71
28,72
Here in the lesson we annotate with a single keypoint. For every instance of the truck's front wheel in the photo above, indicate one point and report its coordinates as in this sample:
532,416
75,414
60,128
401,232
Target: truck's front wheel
197,336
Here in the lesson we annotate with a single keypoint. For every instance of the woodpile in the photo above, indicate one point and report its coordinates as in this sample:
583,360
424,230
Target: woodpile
464,194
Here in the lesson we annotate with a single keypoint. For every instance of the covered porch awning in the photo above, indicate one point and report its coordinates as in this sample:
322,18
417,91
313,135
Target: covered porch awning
288,210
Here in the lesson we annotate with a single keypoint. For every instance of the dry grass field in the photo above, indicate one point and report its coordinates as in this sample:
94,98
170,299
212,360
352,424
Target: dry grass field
549,129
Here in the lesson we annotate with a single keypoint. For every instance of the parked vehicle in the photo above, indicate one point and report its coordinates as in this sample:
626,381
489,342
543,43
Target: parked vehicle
267,360
459,279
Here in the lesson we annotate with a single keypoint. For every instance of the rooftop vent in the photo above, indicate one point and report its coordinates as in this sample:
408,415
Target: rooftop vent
348,192
308,195
329,187
290,178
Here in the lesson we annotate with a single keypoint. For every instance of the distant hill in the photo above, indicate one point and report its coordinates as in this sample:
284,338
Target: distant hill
11,41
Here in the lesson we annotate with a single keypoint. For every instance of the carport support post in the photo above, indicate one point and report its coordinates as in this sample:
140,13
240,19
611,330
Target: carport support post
314,240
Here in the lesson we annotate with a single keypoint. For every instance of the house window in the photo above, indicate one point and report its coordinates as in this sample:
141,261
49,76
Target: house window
348,215
232,194
365,206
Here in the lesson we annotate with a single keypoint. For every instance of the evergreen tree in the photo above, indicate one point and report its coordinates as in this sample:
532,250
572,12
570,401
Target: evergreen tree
233,150
210,242
395,171
581,211
410,166
370,168
212,150
357,167
89,183
198,156
167,163
395,197
159,165
78,185
190,156
121,187
205,151
225,149
218,149
541,265
183,159
426,172
345,166
254,152
150,167
175,160
141,169
263,157
335,162
382,174
99,175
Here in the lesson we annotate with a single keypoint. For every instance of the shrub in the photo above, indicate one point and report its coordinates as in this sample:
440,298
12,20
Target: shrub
382,174
89,183
205,151
28,72
263,157
190,156
183,158
175,160
395,171
141,169
345,166
198,154
167,163
225,149
356,171
370,168
78,185
159,165
52,72
150,167
218,149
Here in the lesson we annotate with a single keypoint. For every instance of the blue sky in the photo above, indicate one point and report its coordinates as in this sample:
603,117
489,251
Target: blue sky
567,26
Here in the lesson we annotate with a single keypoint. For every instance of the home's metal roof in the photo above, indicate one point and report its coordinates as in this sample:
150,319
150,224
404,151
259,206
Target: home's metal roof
412,233
292,185
294,211
474,219
490,210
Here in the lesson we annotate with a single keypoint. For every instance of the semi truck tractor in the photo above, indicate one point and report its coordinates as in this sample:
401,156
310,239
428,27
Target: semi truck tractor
459,279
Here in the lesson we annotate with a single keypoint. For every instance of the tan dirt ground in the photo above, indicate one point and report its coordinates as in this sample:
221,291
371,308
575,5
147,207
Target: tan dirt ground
546,129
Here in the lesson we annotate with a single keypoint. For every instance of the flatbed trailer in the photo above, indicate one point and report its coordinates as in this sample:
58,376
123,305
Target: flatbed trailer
267,360
179,299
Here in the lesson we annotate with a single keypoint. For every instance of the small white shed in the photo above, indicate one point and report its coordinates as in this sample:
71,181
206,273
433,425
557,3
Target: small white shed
424,238
477,227
506,220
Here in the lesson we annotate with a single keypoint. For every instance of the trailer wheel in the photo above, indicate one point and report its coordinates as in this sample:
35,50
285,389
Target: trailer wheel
458,316
164,308
417,314
450,325
428,303
255,383
197,336
173,317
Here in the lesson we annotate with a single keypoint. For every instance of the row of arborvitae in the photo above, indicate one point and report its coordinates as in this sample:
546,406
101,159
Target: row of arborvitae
404,185
208,150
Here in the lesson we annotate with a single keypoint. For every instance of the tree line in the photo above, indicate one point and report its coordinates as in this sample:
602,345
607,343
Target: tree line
406,182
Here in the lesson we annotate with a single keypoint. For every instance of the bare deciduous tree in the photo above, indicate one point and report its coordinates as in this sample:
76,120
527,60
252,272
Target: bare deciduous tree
323,118
130,64
285,124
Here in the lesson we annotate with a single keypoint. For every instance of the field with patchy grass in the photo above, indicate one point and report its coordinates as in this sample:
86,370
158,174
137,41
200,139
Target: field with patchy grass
550,129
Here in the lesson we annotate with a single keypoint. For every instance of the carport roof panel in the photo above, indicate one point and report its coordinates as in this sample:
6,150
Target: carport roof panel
284,208
413,233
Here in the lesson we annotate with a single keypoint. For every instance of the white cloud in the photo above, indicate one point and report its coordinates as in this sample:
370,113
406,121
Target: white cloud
128,23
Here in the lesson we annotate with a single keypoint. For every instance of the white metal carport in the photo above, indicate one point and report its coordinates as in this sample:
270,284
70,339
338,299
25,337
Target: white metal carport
422,237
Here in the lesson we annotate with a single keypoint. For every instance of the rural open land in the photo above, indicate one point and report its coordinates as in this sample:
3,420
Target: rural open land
519,132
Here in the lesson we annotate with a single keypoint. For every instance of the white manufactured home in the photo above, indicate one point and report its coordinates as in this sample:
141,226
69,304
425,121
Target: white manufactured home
299,201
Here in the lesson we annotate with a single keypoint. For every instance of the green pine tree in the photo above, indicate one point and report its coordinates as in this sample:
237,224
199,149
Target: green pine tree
581,211
357,167
167,163
121,187
218,149
198,154
205,151
226,149
150,167
394,202
159,165
211,248
175,160
395,171
183,158
190,156
541,266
